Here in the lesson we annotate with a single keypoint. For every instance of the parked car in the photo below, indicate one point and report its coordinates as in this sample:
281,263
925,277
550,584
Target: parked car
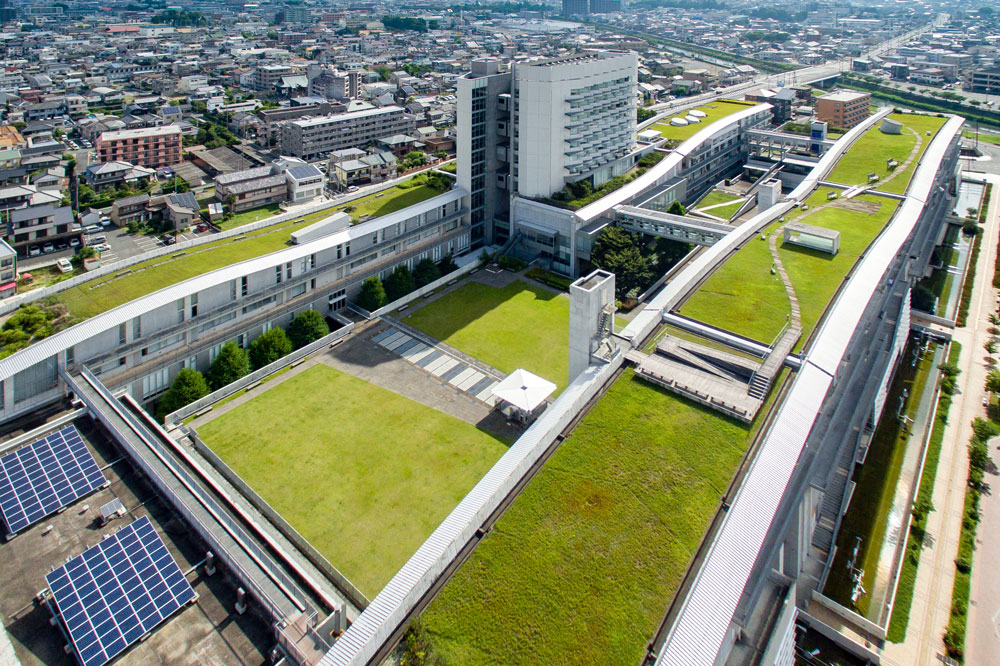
97,240
64,265
62,245
74,242
168,239
92,229
105,221
34,251
103,247
201,228
352,188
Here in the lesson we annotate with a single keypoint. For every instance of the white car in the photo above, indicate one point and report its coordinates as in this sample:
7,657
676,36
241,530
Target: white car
34,251
103,247
64,265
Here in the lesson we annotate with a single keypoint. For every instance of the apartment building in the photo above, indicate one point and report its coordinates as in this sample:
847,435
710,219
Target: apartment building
310,138
986,80
843,108
8,270
150,147
36,225
284,180
266,77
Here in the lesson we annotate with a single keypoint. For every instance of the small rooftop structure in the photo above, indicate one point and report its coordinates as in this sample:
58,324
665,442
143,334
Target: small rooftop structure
814,238
890,126
521,395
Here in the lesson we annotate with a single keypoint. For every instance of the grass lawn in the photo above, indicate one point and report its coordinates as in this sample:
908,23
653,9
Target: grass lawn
667,329
366,493
582,566
102,294
717,197
870,153
248,216
816,276
983,137
519,326
868,514
713,111
743,296
389,201
725,212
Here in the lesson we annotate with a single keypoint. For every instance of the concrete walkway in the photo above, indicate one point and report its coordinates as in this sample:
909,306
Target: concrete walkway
931,605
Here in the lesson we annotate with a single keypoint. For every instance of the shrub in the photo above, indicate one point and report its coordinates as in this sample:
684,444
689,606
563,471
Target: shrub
229,365
307,327
269,347
545,277
447,265
512,263
189,385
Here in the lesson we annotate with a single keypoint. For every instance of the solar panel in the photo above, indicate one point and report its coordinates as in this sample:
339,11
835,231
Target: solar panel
114,593
43,477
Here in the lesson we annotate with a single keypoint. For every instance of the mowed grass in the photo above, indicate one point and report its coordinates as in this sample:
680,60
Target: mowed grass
365,492
518,326
583,565
816,276
97,296
249,216
871,152
742,295
713,111
716,197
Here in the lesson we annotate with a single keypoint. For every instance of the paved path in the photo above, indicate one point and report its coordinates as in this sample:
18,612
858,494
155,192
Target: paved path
936,573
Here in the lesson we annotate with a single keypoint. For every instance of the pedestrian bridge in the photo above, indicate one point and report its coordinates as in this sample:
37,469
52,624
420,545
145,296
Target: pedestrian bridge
769,142
668,225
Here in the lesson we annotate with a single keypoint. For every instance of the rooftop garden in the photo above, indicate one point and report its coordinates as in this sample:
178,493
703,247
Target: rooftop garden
873,150
577,195
713,111
746,296
99,295
366,493
585,561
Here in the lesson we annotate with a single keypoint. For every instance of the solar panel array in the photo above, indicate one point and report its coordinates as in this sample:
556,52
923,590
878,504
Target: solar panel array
117,591
43,477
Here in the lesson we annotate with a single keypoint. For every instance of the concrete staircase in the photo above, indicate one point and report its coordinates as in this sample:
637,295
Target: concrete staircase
761,381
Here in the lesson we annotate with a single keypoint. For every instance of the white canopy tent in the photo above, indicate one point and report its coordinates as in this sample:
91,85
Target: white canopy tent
524,392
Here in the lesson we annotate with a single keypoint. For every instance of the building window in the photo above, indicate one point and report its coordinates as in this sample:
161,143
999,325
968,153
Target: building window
180,310
121,334
194,305
245,287
137,328
288,270
277,274
155,382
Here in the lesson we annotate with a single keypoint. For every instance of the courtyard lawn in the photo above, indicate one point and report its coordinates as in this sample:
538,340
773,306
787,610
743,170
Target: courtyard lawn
518,326
816,276
583,565
724,212
365,492
102,294
870,153
713,111
743,296
716,197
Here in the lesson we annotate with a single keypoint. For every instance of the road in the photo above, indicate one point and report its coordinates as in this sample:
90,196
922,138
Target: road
931,606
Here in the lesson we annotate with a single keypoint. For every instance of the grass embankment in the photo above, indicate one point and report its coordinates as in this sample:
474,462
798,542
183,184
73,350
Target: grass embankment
249,216
97,296
922,503
716,197
982,137
713,111
518,326
581,567
871,152
745,297
868,514
365,492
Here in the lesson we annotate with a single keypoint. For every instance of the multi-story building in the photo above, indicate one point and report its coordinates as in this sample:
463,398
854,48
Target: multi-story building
335,85
986,80
105,175
150,147
8,270
606,6
142,347
575,7
546,123
843,108
131,209
284,180
309,138
266,77
37,225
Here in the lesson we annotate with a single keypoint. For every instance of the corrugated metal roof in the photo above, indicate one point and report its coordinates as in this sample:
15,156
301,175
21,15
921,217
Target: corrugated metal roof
48,347
665,166
707,611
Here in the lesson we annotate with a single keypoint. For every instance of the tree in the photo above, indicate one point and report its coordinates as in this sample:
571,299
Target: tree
668,253
990,346
993,381
399,284
994,319
414,159
269,347
230,364
188,386
372,294
307,327
677,208
425,272
617,251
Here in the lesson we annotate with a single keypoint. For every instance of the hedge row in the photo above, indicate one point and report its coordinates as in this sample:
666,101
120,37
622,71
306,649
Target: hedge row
954,636
922,503
551,279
